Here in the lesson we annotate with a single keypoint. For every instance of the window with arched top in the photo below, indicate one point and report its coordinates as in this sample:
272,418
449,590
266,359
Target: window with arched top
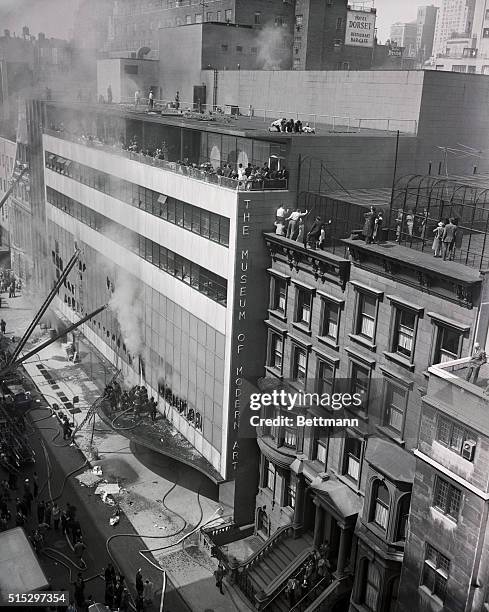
402,517
380,504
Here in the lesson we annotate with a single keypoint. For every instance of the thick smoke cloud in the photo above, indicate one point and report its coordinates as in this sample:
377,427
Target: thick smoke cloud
53,17
126,304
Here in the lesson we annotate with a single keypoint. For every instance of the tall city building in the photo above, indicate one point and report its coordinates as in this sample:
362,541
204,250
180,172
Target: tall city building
332,36
405,35
133,26
455,19
425,34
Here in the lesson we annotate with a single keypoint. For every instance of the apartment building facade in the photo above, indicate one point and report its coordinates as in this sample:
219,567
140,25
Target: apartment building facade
372,321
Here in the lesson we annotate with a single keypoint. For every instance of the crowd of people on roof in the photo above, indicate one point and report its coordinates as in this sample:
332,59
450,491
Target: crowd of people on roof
291,126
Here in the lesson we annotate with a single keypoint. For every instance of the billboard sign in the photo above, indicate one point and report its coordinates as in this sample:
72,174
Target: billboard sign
360,28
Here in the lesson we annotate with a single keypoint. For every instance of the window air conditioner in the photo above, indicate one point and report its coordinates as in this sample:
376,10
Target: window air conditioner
468,450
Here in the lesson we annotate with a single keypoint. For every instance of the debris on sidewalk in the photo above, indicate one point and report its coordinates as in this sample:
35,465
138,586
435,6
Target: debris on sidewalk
107,491
89,478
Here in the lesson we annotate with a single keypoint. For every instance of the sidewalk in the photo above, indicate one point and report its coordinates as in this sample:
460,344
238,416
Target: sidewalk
169,498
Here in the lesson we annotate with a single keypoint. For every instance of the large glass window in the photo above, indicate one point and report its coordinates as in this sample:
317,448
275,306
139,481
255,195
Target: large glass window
304,307
299,365
456,437
447,498
380,504
352,455
448,344
367,309
372,587
436,570
197,220
325,377
330,320
395,397
276,351
360,382
404,331
199,278
279,295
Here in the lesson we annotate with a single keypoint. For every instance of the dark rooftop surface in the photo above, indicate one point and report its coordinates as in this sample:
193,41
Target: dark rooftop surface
244,126
416,258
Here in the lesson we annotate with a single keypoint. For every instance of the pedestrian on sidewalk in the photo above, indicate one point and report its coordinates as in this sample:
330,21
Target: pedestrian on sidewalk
11,292
79,548
124,607
64,522
79,590
56,516
27,484
139,583
27,502
109,594
19,519
41,508
153,409
109,573
219,575
67,433
3,326
35,482
48,511
148,592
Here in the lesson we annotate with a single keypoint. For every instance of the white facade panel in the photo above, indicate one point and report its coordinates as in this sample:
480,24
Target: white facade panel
212,256
201,306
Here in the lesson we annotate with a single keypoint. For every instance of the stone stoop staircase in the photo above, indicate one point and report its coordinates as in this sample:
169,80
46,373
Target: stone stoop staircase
266,572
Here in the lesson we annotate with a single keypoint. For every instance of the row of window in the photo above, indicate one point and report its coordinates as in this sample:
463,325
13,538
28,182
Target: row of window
402,342
192,218
200,279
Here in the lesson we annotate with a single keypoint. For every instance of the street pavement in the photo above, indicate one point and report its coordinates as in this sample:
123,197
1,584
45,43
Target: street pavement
161,499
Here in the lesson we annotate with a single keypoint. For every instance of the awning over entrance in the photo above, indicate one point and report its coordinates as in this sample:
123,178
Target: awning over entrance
338,498
395,463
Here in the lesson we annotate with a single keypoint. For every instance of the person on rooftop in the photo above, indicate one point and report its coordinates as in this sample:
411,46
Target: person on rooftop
293,220
276,126
478,359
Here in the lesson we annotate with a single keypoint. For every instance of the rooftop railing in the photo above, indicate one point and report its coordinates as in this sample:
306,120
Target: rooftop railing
196,173
226,113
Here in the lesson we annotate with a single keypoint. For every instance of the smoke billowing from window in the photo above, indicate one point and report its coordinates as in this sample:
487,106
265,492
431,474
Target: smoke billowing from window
274,48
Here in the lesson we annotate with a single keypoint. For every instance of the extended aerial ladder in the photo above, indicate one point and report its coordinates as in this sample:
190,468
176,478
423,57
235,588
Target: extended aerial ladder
45,305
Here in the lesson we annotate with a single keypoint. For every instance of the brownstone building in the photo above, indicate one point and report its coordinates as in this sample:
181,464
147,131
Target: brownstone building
373,320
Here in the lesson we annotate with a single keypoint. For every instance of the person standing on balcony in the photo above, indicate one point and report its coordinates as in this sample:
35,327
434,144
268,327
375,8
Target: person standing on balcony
293,220
151,100
109,94
478,359
437,243
448,240
137,98
369,225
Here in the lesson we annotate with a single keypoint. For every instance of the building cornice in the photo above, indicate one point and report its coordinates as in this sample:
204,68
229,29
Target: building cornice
320,265
445,279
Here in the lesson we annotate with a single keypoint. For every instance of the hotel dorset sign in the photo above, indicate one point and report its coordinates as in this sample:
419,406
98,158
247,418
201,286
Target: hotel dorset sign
360,29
